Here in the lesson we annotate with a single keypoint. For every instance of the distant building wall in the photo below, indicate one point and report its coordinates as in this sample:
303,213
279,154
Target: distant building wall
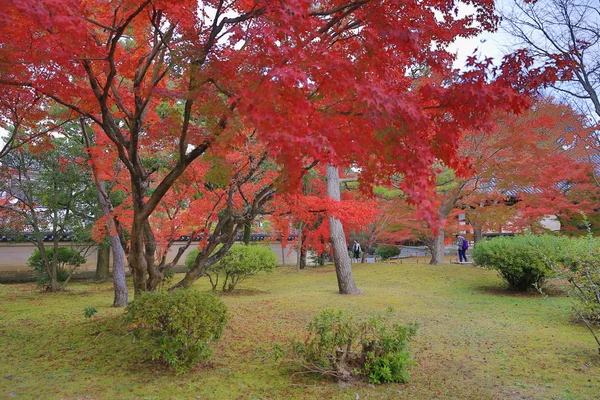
14,256
551,222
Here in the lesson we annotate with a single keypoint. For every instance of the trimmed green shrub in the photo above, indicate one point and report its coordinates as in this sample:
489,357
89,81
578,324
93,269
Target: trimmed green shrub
67,257
177,327
522,261
386,252
237,264
340,347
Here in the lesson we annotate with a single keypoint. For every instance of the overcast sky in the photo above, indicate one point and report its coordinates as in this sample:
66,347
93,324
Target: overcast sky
494,45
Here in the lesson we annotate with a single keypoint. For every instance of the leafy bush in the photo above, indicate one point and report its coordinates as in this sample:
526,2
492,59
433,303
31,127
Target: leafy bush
581,268
190,258
89,312
386,252
522,261
340,347
67,257
177,327
238,263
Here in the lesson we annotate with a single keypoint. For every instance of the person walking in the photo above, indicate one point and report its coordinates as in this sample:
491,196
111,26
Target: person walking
463,245
356,251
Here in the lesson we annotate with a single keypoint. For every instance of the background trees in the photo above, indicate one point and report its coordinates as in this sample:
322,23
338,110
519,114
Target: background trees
563,37
524,168
45,191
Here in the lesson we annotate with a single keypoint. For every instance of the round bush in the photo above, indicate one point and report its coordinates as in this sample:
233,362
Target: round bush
177,327
522,261
66,257
386,252
237,264
341,347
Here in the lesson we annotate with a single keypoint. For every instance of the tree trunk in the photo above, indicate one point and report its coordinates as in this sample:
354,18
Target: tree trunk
224,234
343,267
300,250
303,253
302,247
437,251
119,282
247,232
102,262
478,234
54,262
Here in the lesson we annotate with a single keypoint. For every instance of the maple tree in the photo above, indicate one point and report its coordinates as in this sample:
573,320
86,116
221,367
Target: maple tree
24,118
525,168
519,182
309,210
316,81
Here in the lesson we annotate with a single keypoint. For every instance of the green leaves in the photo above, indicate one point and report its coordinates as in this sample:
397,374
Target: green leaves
67,257
386,252
237,264
522,261
337,345
177,327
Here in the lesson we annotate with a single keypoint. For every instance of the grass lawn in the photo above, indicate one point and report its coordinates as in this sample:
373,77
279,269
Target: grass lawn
475,341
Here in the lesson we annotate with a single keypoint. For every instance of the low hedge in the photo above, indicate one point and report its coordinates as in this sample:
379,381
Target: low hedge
522,261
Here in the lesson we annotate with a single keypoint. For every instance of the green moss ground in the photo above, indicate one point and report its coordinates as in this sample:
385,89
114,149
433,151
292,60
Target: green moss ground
475,341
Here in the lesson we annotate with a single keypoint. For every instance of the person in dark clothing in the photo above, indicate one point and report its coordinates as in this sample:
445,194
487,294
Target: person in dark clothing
356,251
463,245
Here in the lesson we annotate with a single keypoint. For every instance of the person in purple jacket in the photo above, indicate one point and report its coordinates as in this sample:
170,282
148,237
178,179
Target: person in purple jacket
463,245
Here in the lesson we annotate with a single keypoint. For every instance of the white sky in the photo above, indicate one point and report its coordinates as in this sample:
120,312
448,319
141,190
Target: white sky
494,45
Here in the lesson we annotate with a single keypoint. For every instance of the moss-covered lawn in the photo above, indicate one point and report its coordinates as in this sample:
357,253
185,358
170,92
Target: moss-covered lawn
475,340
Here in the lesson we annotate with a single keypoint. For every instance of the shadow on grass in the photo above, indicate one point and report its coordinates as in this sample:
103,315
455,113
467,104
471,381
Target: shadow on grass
552,288
506,292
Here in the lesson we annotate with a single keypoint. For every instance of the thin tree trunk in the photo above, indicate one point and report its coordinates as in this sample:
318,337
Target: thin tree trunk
54,263
102,262
437,251
300,250
343,267
224,234
116,241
